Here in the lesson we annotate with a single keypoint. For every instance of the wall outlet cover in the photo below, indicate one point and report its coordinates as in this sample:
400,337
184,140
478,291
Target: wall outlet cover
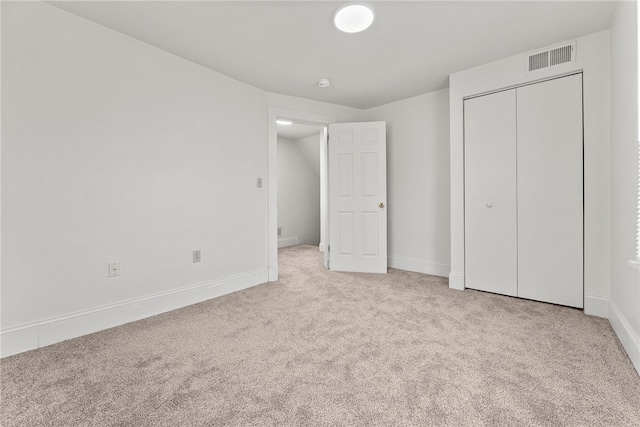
114,269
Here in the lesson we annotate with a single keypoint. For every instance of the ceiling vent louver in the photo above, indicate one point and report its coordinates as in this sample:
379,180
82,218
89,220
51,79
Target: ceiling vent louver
550,57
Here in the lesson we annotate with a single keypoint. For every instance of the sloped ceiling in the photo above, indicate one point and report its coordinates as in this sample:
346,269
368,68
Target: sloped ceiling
286,47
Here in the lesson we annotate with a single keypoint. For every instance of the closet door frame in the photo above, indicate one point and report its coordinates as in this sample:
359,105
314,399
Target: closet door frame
515,87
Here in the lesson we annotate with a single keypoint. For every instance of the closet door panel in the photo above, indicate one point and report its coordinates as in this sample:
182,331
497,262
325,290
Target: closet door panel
550,191
490,190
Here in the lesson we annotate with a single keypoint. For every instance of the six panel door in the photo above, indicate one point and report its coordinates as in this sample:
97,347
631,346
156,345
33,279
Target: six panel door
358,197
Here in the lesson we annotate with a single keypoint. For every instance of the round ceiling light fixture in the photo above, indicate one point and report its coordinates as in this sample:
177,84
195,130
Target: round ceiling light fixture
353,17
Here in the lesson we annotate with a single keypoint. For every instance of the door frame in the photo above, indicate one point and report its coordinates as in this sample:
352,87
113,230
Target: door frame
275,113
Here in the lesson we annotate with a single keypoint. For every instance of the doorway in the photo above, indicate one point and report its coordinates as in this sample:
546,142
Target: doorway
318,121
299,213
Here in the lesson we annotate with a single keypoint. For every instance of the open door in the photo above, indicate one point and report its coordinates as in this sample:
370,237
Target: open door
358,197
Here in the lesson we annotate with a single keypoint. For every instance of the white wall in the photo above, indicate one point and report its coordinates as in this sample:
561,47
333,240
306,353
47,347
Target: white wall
298,195
117,151
624,311
114,150
341,113
593,59
418,182
310,148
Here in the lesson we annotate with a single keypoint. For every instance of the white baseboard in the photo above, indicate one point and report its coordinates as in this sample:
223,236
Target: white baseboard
419,266
596,306
456,281
283,242
39,334
627,336
17,340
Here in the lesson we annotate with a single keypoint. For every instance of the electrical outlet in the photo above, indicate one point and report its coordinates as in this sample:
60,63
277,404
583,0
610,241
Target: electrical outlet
114,269
259,182
196,256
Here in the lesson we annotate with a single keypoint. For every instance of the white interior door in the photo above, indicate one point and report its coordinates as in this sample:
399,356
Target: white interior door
490,210
358,197
550,191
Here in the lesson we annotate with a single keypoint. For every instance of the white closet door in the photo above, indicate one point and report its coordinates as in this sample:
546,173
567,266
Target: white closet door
550,191
490,193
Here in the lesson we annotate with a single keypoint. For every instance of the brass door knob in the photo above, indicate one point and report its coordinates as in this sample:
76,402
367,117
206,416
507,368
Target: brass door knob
381,205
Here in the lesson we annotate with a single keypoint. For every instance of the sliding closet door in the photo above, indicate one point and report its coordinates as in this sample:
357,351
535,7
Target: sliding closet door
490,193
550,191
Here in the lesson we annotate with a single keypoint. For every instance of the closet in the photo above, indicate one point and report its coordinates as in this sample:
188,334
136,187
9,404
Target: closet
523,164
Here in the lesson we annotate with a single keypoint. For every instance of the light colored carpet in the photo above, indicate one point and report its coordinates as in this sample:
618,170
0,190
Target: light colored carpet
322,348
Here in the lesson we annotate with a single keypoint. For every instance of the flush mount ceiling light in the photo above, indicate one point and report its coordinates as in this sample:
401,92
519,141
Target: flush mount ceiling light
284,122
353,17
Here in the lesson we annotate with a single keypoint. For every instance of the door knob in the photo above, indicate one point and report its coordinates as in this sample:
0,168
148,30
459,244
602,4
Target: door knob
489,205
381,205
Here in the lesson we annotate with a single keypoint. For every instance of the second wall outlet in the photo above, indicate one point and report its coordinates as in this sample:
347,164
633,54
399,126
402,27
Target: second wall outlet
114,269
196,256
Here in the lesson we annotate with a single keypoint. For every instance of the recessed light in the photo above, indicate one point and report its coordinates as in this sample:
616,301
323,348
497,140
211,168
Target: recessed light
353,17
284,122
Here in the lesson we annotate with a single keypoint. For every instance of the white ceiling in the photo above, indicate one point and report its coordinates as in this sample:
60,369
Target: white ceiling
297,131
286,47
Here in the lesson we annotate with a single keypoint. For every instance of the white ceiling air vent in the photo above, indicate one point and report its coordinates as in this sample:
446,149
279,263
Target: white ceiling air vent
550,57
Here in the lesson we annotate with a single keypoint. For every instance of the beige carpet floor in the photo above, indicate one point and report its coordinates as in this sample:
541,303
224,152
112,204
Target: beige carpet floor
323,348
